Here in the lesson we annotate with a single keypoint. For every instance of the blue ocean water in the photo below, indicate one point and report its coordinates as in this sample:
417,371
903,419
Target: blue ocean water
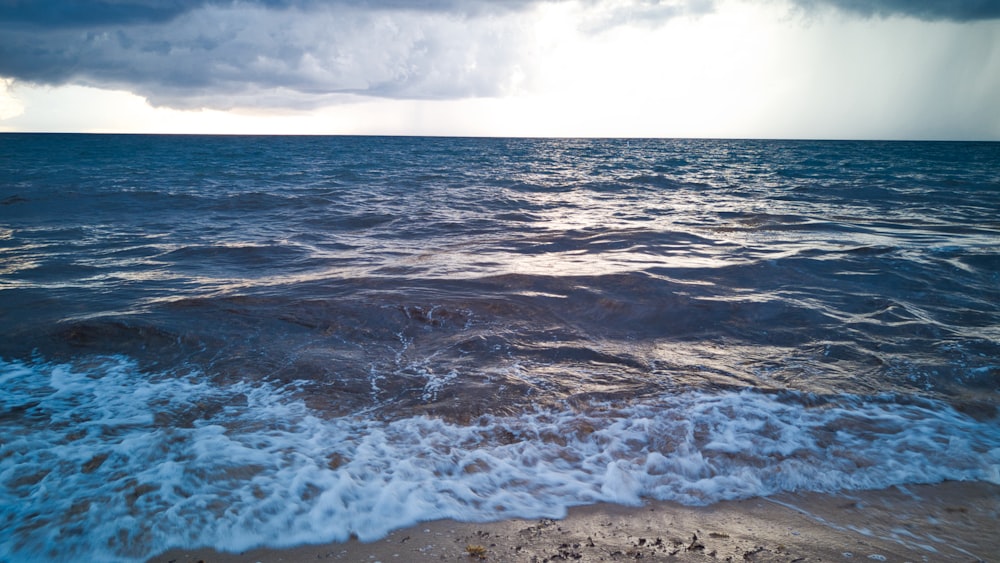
242,341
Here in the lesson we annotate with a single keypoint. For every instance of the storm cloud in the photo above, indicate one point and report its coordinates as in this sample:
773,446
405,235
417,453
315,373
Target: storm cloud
305,53
928,10
297,53
77,13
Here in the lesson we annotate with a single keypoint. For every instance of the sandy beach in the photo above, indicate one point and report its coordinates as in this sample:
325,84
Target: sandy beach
927,523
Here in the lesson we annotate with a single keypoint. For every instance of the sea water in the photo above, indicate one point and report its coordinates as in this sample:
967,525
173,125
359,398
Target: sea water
246,341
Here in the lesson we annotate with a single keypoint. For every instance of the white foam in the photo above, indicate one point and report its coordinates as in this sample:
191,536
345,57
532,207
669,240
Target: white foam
103,462
436,383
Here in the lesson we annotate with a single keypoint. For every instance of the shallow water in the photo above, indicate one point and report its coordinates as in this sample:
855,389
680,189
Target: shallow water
237,341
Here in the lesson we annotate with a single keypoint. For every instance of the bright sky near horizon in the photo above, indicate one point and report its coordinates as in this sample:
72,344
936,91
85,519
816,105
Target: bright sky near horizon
885,69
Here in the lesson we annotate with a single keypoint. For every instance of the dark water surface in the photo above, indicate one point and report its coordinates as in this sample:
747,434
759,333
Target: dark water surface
236,341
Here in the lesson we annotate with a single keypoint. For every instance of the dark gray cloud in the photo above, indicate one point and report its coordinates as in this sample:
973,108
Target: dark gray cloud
79,13
82,13
930,10
61,13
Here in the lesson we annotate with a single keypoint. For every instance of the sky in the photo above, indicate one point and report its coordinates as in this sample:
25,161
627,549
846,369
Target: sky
856,69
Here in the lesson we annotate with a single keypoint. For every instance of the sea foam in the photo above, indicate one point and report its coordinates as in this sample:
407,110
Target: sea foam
102,461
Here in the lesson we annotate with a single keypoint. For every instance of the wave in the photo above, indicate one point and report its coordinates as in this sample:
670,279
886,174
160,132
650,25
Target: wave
103,461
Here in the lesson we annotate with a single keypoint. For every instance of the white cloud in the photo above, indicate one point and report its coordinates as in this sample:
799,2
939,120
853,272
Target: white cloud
10,105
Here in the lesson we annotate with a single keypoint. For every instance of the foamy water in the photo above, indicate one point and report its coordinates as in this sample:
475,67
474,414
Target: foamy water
95,465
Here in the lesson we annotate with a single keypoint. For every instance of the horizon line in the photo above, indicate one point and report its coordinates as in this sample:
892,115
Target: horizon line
508,137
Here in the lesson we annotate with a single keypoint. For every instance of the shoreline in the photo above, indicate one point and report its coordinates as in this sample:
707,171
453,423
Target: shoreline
951,521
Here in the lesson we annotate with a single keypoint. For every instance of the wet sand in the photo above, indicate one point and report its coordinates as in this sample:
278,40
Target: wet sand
927,523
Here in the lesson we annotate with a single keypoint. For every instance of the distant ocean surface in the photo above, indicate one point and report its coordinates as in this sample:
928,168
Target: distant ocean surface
245,341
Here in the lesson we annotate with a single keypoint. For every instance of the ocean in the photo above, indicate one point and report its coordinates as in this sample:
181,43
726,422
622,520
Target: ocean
240,341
